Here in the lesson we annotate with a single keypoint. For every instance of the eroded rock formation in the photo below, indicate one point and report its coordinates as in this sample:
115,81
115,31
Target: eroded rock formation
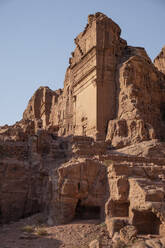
140,102
93,149
123,88
159,61
137,196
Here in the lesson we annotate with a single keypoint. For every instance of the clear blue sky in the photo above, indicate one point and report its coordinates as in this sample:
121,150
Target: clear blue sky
37,37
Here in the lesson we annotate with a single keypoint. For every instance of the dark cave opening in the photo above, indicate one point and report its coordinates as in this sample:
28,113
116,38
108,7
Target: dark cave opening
119,209
0,215
162,110
87,212
146,222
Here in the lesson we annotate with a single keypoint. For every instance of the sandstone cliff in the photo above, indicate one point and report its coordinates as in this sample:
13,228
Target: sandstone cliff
159,61
94,148
124,89
140,101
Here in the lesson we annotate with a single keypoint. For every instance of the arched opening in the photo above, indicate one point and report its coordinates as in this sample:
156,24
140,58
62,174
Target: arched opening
84,212
146,222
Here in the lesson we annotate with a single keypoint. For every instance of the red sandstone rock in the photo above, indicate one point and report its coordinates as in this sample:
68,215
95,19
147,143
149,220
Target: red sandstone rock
56,159
128,234
159,61
124,90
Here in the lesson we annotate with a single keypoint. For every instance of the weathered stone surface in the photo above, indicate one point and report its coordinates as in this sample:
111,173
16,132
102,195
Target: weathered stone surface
127,104
159,61
21,190
115,224
152,242
24,175
20,131
81,191
152,148
93,149
136,196
140,101
94,244
41,107
128,234
141,244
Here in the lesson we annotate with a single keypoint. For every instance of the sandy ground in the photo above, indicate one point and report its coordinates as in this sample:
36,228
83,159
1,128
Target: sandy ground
77,234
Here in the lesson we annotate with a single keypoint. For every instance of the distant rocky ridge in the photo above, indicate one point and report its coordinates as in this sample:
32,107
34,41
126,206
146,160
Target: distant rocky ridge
96,147
159,61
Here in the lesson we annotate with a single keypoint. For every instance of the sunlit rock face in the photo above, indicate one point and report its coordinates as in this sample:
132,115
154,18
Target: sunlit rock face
111,92
93,149
159,61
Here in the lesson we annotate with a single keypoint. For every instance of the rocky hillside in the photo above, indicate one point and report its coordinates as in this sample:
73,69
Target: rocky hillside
94,149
